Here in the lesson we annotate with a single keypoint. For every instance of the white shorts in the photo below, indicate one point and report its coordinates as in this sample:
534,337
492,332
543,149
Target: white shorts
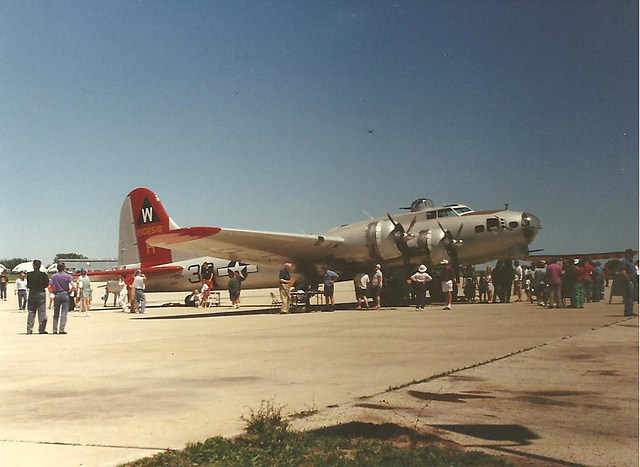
447,286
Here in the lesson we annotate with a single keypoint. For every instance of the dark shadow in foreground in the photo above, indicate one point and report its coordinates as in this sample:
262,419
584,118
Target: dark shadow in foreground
517,434
384,431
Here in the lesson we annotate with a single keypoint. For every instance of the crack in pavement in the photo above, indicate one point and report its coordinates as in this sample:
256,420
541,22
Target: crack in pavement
61,443
475,365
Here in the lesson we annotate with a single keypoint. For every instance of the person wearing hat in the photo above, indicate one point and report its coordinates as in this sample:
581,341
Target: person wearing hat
376,285
37,283
447,277
328,278
361,284
421,280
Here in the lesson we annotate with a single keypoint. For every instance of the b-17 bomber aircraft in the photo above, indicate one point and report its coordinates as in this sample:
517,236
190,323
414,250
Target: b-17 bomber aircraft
171,256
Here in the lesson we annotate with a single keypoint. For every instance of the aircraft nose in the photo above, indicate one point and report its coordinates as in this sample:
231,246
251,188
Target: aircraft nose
530,226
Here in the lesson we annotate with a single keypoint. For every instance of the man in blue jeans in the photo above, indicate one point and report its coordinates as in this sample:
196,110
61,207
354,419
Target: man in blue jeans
60,282
629,275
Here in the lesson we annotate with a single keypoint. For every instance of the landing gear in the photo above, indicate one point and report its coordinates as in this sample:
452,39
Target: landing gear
396,291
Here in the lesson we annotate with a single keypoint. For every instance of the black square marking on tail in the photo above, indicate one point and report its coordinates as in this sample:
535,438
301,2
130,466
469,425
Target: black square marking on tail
147,214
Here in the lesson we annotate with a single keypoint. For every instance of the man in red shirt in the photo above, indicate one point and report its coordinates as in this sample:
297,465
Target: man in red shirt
554,273
132,295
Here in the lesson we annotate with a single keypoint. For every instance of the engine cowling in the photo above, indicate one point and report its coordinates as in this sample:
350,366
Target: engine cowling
429,243
381,241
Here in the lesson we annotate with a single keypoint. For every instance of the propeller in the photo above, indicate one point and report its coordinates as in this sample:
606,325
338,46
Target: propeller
400,237
451,243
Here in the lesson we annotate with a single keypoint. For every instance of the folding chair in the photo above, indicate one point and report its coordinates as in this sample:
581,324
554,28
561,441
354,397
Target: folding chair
275,301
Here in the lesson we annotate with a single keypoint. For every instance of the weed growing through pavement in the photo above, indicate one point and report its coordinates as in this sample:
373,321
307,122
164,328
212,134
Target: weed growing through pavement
415,425
269,441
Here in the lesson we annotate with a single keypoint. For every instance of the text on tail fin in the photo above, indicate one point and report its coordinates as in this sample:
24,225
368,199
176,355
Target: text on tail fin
146,217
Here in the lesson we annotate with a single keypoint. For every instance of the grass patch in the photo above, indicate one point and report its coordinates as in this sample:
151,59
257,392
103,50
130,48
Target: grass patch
269,442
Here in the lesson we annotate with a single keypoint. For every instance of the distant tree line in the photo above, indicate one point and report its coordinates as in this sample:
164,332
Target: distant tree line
60,256
13,262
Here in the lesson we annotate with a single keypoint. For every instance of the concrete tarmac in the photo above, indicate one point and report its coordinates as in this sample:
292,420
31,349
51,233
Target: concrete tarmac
121,386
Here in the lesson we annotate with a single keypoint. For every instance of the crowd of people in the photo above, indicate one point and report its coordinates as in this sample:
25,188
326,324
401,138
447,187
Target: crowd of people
67,294
559,284
568,283
200,297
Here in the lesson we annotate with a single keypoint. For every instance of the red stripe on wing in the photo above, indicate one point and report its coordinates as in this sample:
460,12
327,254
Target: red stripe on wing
116,273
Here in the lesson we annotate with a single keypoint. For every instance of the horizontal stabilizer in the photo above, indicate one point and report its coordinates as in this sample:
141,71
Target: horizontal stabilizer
115,274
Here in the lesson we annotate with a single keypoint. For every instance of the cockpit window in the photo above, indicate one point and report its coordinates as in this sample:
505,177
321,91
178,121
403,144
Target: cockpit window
493,223
462,210
431,215
445,212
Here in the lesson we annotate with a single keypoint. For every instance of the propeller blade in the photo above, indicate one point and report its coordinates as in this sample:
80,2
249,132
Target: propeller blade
443,230
391,219
459,231
413,222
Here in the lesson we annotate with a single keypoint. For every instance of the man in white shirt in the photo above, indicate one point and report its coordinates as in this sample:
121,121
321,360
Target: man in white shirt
376,285
138,287
517,283
421,281
21,291
361,284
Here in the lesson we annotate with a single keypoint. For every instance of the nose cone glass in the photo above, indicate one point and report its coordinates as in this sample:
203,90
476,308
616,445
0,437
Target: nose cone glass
530,226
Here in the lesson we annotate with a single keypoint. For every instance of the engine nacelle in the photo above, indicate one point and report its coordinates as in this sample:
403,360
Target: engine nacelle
429,243
381,242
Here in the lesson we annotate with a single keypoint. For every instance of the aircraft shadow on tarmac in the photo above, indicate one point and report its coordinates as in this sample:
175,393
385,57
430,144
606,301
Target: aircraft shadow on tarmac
216,314
514,435
384,431
224,313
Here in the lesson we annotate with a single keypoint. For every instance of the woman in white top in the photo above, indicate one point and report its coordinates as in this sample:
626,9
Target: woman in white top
489,280
124,294
420,280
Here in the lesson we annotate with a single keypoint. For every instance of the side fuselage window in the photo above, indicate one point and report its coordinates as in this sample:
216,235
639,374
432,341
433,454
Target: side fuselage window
431,215
513,224
479,228
493,223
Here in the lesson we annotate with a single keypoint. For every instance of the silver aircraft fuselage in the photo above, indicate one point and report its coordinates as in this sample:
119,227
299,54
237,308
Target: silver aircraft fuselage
436,234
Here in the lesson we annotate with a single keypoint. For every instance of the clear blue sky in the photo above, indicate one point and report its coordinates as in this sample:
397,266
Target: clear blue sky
256,114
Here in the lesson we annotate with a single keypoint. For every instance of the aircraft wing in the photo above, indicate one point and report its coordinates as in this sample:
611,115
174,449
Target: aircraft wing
267,248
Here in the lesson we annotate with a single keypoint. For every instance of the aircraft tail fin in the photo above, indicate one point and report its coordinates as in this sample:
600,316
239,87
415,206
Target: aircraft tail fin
142,215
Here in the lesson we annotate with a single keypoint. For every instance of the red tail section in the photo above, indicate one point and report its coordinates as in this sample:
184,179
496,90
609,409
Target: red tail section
149,218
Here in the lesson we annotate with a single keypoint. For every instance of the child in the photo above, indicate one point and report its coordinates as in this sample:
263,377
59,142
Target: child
470,290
